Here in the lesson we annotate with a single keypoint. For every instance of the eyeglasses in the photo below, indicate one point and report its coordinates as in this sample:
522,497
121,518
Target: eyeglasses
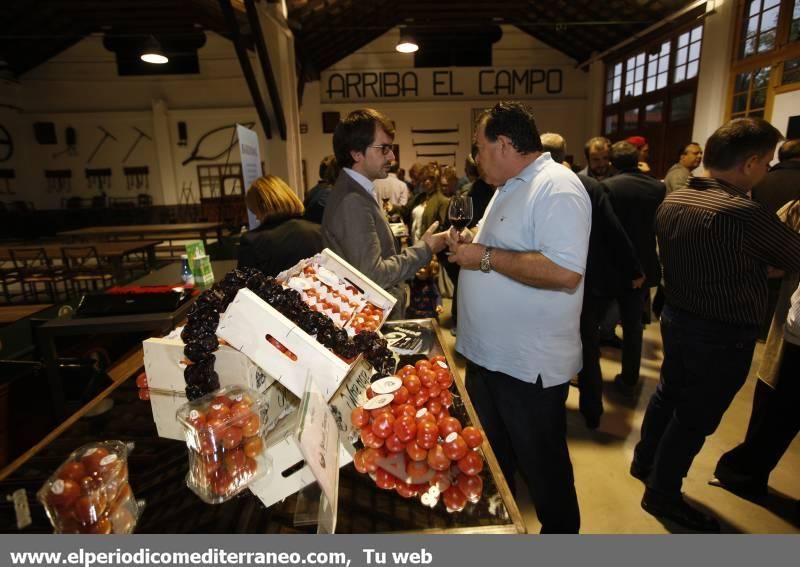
385,149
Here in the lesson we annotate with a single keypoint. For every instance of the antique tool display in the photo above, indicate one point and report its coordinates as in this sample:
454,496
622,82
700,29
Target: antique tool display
136,143
106,136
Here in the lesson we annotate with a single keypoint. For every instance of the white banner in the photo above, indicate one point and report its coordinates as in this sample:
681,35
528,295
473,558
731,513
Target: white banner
251,163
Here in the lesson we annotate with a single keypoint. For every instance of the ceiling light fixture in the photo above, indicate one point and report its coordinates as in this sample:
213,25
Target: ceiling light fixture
152,53
407,43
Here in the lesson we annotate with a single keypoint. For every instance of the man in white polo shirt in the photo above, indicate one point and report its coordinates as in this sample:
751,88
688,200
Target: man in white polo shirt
520,294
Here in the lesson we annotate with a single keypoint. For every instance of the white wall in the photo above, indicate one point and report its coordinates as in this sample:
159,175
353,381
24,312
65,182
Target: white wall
80,88
564,114
784,106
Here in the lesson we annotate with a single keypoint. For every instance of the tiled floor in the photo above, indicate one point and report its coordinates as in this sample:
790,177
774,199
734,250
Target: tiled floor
609,497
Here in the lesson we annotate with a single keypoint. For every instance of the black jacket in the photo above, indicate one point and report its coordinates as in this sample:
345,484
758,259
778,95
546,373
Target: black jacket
781,185
611,264
277,246
635,198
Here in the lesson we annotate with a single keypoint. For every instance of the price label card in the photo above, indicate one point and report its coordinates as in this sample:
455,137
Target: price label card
318,437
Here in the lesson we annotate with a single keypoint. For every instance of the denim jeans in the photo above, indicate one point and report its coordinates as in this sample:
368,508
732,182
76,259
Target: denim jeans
705,364
526,426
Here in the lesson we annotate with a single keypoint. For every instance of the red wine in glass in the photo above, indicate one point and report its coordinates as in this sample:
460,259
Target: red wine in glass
460,212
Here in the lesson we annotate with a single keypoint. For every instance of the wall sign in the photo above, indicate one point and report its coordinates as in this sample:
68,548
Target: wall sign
437,84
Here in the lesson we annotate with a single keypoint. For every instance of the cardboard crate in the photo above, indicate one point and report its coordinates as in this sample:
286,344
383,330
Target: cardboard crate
164,364
282,447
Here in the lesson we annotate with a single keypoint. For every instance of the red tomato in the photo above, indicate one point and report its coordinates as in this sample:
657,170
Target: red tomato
412,384
454,499
420,398
401,396
101,526
471,486
406,370
415,452
224,400
144,394
141,380
437,460
441,480
359,417
218,411
473,436
448,425
240,411
359,461
407,409
455,447
406,490
435,407
89,509
234,461
223,483
427,433
383,425
434,391
422,363
471,463
251,425
369,439
73,470
405,427
370,393
446,397
393,444
231,437
435,360
385,480
371,458
210,463
417,470
63,492
423,414
253,447
444,378
91,459
427,377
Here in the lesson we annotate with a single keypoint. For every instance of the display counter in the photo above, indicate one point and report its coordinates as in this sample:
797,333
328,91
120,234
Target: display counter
158,468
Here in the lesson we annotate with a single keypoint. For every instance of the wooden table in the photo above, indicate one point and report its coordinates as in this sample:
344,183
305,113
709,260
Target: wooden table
113,250
186,231
13,313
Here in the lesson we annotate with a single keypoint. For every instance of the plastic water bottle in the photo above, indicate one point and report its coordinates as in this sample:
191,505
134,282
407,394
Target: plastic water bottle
186,271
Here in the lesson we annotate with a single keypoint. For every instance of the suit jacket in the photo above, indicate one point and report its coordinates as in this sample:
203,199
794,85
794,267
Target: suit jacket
354,226
779,186
277,246
612,263
635,197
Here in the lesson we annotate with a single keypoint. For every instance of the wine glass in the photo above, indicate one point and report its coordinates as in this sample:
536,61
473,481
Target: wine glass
460,211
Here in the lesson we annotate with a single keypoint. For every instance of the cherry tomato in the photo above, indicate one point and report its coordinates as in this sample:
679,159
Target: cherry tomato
407,409
427,377
370,393
101,526
369,439
473,436
371,458
412,384
240,411
141,380
393,444
63,492
91,459
436,360
441,480
454,499
424,415
437,460
471,464
406,370
251,425
420,398
434,391
385,480
223,483
448,425
253,447
405,427
224,400
88,509
427,433
406,490
231,437
234,461
401,396
446,397
422,363
417,470
73,470
415,452
359,461
359,417
471,486
383,425
455,447
218,411
435,407
444,379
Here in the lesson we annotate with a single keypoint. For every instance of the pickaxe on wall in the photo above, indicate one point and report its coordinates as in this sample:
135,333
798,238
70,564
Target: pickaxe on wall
135,143
106,135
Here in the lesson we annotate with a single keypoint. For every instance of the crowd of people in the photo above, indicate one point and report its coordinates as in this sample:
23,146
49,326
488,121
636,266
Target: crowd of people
548,252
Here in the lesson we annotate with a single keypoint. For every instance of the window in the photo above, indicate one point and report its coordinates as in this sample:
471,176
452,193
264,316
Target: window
794,30
611,124
654,113
630,120
634,75
791,71
687,56
614,88
658,68
681,108
750,93
760,26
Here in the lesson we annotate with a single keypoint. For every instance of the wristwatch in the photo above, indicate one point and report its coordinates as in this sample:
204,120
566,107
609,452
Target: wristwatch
486,260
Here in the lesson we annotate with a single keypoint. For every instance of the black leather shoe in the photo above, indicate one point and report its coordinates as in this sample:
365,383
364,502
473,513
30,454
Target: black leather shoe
675,509
640,471
738,482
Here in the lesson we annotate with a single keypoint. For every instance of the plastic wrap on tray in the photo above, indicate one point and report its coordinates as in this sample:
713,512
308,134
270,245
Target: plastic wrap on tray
89,492
224,433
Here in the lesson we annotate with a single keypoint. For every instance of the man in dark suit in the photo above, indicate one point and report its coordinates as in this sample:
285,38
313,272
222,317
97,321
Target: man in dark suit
354,225
782,183
635,197
611,265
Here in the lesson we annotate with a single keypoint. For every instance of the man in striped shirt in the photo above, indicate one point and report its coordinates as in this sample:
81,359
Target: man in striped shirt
716,245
